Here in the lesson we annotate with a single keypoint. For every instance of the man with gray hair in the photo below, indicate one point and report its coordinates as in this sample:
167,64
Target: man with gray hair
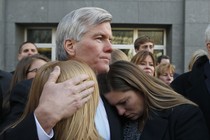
84,34
195,85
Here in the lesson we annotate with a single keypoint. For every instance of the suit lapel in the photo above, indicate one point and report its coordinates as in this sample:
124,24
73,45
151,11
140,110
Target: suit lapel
115,124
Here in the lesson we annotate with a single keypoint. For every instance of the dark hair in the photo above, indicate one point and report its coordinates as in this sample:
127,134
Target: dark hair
162,57
26,42
23,66
124,76
141,40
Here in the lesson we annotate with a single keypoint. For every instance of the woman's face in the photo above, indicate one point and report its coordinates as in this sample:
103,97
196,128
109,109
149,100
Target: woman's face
167,77
34,67
147,66
129,104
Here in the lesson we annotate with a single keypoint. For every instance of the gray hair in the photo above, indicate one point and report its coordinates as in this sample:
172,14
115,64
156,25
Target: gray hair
207,34
75,24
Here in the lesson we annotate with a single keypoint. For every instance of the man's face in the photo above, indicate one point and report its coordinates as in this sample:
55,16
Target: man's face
27,49
149,46
95,47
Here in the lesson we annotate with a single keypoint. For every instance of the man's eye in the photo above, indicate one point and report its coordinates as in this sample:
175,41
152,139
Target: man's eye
151,46
99,39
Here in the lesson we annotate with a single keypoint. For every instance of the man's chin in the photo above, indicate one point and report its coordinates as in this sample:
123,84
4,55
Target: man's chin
103,69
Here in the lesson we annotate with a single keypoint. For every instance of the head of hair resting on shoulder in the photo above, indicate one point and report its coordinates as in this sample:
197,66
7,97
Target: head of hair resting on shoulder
143,100
81,124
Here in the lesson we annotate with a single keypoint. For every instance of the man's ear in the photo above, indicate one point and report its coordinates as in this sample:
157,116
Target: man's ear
69,47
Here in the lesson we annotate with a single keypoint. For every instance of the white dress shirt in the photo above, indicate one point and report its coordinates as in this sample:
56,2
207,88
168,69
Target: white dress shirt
101,122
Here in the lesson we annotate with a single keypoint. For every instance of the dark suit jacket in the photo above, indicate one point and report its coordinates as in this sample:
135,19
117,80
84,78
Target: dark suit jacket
115,123
184,122
18,100
5,78
193,86
26,130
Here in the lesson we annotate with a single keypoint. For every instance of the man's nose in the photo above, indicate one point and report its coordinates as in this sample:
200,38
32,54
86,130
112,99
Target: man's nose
108,46
30,52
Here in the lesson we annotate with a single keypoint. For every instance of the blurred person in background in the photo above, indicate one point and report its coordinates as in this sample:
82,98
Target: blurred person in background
146,61
144,43
117,55
195,56
195,84
165,72
166,59
27,48
20,85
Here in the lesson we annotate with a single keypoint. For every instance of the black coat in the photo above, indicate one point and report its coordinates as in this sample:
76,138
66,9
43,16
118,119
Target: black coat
183,122
193,85
26,130
18,100
5,79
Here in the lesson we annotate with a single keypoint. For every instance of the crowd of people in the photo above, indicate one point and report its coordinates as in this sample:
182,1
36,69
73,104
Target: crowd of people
93,91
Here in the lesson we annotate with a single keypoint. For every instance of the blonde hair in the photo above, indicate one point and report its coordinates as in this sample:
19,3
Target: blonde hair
117,54
81,124
197,54
163,68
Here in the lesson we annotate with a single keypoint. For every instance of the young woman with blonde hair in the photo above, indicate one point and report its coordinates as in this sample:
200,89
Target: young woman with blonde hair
80,125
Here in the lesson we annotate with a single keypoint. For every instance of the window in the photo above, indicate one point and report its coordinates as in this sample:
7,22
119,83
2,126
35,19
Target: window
44,38
39,35
123,39
156,35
